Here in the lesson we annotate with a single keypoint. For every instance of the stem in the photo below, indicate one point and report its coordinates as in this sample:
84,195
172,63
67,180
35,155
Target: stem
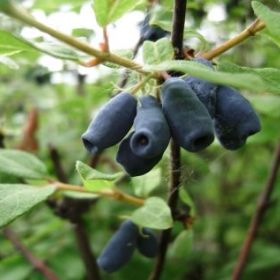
58,168
177,35
111,193
37,263
251,30
175,162
22,15
83,243
256,220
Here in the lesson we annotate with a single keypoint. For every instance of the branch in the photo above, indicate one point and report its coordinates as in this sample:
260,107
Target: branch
251,30
29,140
177,34
22,15
58,168
256,220
175,163
37,263
87,255
110,193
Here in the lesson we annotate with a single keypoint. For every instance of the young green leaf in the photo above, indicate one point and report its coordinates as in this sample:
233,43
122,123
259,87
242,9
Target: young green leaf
144,185
17,199
94,180
107,11
155,213
11,44
157,52
247,81
182,245
21,164
271,19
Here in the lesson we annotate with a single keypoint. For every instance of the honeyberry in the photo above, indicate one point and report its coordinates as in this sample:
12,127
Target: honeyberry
149,32
235,118
189,121
151,132
120,248
205,91
147,243
133,164
111,124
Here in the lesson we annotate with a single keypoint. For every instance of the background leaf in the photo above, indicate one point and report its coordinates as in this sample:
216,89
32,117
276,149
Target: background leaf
108,11
21,164
271,19
16,200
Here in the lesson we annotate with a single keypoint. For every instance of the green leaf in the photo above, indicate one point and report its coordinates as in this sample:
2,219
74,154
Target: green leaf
155,213
8,62
269,76
21,164
246,81
11,44
94,180
144,185
157,52
108,11
271,19
4,5
182,245
267,104
185,198
16,200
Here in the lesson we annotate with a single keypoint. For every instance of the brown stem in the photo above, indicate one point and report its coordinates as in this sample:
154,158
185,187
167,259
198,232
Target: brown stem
251,30
37,263
58,168
29,140
81,84
172,202
87,255
262,205
177,35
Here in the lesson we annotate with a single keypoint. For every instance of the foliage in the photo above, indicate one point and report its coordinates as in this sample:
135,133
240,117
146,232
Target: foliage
221,187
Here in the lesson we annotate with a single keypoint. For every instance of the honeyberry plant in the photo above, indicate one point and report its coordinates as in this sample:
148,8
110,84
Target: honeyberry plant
163,180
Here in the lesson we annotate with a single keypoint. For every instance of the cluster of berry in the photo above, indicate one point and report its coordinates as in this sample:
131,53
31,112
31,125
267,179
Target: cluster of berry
192,112
121,246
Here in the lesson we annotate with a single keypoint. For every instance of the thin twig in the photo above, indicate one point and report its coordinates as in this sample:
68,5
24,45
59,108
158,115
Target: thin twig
110,193
22,15
177,34
87,255
251,30
58,168
262,206
37,263
175,162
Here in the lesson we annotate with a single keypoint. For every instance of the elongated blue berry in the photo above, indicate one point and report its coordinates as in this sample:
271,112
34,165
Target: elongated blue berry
189,121
120,248
151,132
149,32
235,118
111,124
147,243
134,165
205,91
